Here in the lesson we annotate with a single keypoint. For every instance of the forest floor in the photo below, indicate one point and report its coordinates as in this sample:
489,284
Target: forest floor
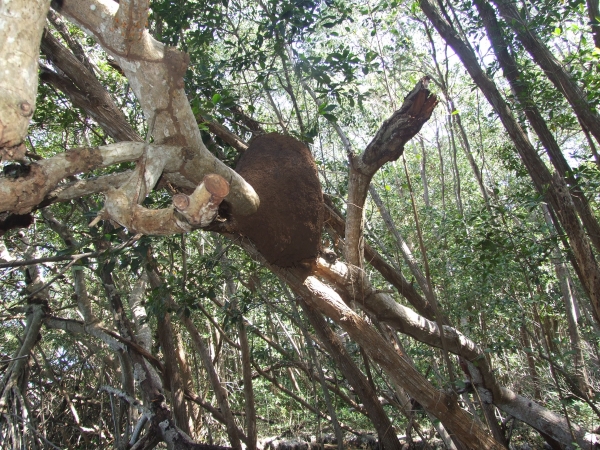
328,442
370,442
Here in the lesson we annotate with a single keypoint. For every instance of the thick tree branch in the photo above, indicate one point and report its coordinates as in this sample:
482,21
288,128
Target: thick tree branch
155,73
85,91
387,145
23,194
22,24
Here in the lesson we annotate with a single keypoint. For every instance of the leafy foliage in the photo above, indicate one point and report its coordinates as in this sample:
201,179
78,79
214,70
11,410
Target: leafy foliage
492,261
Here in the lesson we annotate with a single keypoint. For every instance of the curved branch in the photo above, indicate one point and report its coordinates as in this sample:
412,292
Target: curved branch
22,195
155,73
387,145
187,212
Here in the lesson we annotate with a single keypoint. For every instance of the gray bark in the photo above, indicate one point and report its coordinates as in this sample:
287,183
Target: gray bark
24,19
552,187
553,69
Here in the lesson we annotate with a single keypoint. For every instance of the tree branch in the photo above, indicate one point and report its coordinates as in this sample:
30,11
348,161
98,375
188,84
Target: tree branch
19,82
387,145
155,73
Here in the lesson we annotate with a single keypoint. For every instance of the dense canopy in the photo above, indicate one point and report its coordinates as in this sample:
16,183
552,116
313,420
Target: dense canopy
332,223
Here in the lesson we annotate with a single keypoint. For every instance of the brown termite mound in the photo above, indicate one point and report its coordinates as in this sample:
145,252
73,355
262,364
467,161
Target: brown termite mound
286,229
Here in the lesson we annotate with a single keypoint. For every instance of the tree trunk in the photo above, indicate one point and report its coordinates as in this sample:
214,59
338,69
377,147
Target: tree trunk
172,374
455,171
442,177
401,244
193,409
553,69
553,187
16,368
464,140
521,91
355,377
249,405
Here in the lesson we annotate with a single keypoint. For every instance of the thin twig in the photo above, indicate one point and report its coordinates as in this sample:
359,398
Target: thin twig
73,258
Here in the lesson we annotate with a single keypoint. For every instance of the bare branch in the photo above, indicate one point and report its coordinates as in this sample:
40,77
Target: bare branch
155,73
387,145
